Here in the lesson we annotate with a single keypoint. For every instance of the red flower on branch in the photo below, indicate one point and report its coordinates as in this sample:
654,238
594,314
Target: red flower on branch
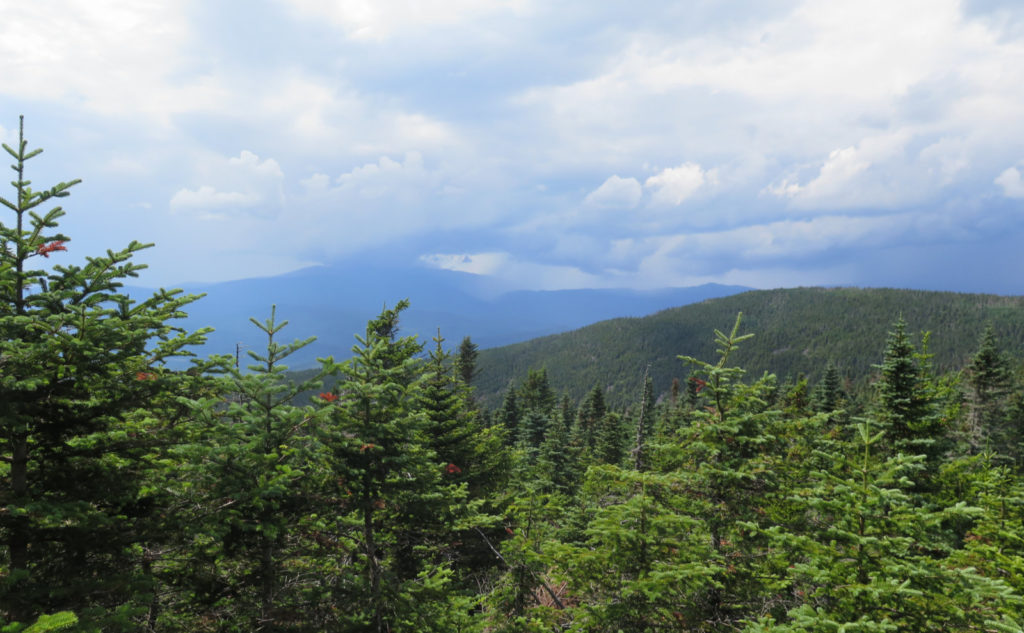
328,396
46,249
452,469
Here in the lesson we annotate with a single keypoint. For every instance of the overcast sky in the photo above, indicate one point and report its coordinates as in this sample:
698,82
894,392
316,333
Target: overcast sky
550,144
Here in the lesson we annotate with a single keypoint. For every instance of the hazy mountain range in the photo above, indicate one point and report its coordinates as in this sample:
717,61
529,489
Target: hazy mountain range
334,303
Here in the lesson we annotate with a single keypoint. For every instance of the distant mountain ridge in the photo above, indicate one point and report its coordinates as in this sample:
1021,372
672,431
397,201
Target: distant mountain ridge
334,303
795,330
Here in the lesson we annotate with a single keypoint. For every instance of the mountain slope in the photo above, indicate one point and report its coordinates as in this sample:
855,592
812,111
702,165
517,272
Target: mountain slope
796,330
334,303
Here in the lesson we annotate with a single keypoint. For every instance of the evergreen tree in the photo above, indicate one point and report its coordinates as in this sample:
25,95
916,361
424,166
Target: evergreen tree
508,416
465,361
644,425
255,461
536,393
557,459
868,557
728,461
828,393
588,419
394,485
452,429
988,380
78,359
533,428
611,441
905,407
642,561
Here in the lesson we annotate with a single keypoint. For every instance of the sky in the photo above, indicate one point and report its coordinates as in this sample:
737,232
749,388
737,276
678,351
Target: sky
545,145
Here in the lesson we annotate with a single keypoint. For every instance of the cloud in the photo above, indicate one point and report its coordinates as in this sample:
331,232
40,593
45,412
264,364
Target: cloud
674,185
854,177
251,163
1011,182
388,178
108,57
513,272
473,263
383,19
243,182
206,197
616,193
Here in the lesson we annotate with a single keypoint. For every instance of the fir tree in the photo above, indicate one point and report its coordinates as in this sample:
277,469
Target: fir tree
905,407
254,460
588,419
465,361
508,416
988,379
644,425
868,557
536,394
828,393
78,358
394,485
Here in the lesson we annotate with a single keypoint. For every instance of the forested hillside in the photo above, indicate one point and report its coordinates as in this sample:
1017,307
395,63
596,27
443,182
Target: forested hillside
799,330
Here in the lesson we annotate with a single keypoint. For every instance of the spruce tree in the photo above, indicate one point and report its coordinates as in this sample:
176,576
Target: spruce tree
869,557
393,484
465,361
828,393
588,419
509,415
535,393
255,463
906,409
78,358
988,379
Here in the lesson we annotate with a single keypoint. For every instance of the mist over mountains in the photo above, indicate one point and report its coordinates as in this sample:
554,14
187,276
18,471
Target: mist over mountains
334,303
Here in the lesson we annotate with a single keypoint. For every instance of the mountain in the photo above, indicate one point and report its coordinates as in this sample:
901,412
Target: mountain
334,303
795,330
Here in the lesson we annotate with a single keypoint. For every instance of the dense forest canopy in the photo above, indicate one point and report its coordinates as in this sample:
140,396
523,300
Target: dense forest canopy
135,496
799,331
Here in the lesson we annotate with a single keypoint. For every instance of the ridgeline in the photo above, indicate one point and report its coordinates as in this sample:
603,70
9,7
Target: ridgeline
797,330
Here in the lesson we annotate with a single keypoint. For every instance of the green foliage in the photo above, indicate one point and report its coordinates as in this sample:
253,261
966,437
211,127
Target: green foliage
253,468
988,381
867,557
60,621
642,561
79,362
799,330
465,361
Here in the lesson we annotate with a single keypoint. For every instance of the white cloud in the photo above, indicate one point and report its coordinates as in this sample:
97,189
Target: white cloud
616,193
820,78
1011,182
251,162
206,197
389,178
317,183
473,263
513,272
109,57
845,179
674,185
382,19
242,182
